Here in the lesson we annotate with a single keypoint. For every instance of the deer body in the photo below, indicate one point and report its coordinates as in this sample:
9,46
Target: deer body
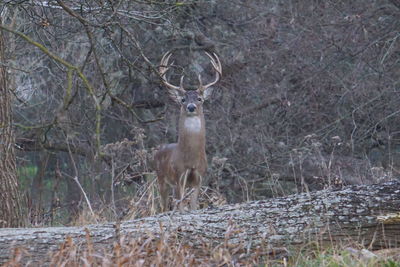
183,164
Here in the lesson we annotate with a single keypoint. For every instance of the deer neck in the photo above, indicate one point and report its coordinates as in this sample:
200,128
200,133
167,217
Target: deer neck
191,140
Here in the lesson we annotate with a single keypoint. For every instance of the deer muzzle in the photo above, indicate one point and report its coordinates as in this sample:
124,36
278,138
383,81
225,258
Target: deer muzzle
191,108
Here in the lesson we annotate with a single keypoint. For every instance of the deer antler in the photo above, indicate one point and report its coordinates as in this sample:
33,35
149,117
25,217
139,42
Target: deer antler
218,68
163,70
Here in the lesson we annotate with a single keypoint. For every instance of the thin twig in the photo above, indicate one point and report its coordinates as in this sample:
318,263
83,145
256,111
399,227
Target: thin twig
75,178
113,207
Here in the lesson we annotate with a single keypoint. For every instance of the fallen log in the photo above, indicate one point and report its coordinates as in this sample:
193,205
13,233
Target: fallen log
364,214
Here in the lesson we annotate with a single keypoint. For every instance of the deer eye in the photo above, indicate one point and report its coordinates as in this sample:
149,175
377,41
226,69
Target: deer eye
183,100
199,99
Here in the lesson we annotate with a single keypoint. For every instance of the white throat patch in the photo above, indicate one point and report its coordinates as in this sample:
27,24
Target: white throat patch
193,124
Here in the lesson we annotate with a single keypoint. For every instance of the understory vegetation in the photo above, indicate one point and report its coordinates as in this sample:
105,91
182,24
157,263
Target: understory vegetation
171,250
308,98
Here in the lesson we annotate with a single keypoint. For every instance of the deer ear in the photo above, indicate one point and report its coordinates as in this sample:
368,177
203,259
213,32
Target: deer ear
207,93
176,95
177,92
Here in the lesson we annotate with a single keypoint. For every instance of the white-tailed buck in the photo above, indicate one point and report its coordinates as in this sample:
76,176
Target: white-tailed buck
182,165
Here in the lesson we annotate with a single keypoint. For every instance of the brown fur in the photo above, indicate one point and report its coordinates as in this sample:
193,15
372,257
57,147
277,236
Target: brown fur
183,165
187,157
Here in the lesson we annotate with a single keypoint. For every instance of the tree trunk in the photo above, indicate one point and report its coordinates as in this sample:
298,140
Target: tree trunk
10,199
328,216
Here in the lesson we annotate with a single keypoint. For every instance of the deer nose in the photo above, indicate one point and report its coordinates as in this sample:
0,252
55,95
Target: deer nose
191,107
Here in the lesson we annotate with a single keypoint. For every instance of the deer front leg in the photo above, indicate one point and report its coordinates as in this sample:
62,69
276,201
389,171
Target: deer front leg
180,190
164,194
194,198
179,195
194,202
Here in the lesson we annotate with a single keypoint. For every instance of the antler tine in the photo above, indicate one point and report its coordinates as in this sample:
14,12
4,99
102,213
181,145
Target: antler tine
216,63
200,81
164,63
163,70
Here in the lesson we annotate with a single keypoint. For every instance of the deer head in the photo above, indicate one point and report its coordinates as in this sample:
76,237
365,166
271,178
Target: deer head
190,100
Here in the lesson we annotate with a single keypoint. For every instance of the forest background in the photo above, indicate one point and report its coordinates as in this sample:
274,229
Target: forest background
309,99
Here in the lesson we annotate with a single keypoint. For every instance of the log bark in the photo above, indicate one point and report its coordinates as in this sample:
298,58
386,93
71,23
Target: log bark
350,214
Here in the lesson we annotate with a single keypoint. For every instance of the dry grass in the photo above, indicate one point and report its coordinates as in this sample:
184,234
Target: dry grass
166,250
144,203
169,249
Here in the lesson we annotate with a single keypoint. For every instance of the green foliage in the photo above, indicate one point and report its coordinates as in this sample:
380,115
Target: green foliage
25,176
391,263
339,258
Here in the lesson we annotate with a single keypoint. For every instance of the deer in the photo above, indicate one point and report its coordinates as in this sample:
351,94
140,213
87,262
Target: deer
183,165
